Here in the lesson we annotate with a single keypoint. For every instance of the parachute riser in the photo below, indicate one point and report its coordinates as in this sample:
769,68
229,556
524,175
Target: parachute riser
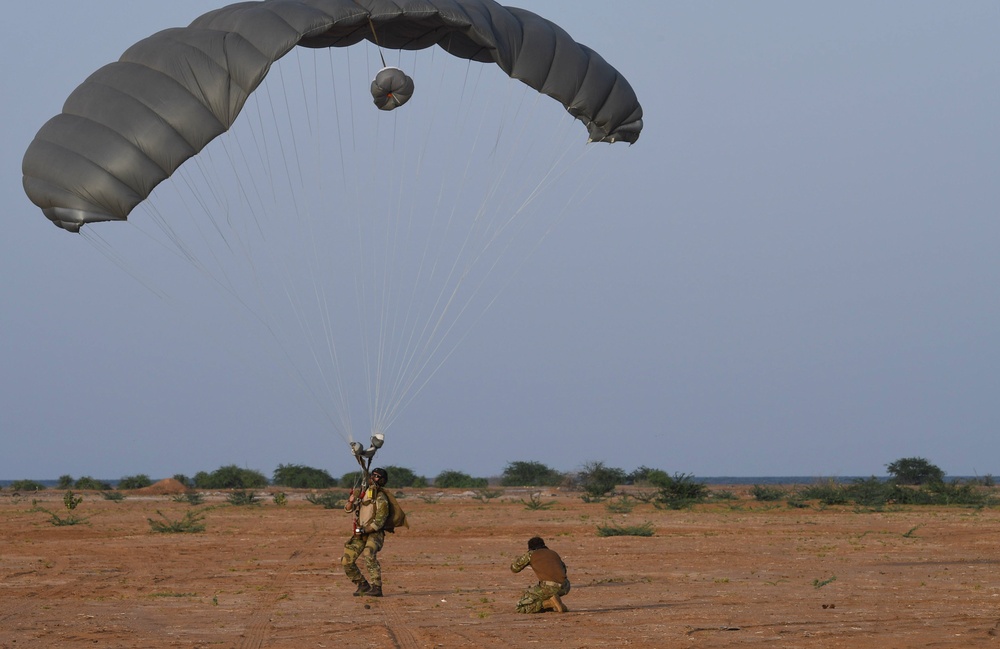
364,457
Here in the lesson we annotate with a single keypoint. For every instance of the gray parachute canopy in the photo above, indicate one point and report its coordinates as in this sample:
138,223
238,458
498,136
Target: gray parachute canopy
132,123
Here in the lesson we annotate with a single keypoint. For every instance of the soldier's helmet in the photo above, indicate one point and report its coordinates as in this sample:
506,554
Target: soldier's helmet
380,476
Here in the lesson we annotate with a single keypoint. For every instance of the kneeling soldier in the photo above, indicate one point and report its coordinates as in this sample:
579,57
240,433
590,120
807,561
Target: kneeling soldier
552,581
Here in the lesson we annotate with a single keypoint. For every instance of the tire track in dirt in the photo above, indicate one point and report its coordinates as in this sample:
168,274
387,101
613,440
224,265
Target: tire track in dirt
13,607
396,624
260,617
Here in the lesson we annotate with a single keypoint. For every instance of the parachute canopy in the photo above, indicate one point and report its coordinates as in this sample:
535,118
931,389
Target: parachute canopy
132,123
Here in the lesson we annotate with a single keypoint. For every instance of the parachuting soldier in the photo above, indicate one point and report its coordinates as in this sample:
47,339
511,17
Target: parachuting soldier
371,511
548,566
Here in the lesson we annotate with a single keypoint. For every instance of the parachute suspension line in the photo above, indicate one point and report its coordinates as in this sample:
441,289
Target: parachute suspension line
408,335
375,39
111,253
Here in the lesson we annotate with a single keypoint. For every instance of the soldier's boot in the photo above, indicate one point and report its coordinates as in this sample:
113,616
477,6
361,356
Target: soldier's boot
555,604
363,588
374,591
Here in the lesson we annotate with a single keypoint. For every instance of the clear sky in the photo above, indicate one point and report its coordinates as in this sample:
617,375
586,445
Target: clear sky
793,272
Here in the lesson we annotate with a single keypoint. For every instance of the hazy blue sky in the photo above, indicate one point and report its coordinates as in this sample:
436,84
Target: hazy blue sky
793,272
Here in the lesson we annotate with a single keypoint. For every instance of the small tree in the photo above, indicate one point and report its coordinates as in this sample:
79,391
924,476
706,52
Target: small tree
914,471
598,480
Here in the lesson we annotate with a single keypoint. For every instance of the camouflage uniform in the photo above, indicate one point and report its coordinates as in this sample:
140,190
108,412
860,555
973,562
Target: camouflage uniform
372,510
552,580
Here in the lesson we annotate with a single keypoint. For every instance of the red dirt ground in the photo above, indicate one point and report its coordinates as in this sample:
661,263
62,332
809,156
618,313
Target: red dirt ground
740,573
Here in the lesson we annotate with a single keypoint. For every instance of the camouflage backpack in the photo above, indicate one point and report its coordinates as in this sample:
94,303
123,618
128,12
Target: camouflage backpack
397,517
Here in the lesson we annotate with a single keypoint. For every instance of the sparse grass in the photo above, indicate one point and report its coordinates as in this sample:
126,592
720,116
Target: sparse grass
819,583
645,529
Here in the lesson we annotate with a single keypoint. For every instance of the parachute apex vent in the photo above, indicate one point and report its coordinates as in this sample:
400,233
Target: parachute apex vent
391,88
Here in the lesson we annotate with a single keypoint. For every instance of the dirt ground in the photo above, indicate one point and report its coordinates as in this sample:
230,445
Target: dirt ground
736,573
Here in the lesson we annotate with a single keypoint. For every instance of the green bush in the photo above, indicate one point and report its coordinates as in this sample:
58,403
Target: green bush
458,480
399,477
26,485
134,481
92,484
530,474
296,476
230,477
827,492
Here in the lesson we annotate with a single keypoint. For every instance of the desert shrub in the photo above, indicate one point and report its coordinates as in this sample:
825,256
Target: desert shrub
680,491
190,523
458,480
535,502
26,485
184,480
623,505
115,496
873,492
530,474
280,498
598,480
242,497
485,495
327,500
765,493
827,492
134,481
70,501
645,529
190,497
296,476
647,477
957,493
65,482
230,477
